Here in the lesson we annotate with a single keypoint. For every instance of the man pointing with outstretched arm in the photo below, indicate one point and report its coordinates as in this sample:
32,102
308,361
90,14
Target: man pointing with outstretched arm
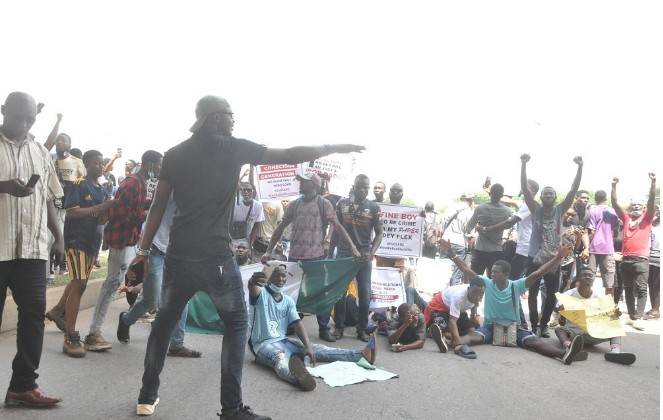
202,173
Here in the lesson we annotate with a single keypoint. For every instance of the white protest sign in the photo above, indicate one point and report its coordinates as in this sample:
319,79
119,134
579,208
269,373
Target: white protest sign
402,231
386,287
277,181
339,169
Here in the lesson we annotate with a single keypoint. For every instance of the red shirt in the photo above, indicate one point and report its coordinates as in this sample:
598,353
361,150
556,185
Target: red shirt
636,235
127,216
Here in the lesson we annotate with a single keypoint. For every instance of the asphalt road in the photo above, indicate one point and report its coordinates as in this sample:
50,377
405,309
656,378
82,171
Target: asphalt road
501,383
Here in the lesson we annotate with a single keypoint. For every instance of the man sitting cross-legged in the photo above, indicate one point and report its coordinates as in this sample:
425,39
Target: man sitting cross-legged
500,305
570,330
273,312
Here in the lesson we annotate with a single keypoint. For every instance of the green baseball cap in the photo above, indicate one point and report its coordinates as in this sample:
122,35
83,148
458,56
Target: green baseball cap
205,106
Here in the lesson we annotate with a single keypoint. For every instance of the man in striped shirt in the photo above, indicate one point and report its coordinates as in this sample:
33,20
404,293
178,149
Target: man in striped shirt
27,214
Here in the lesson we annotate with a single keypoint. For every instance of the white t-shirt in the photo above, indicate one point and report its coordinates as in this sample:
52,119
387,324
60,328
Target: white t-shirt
257,215
524,230
455,297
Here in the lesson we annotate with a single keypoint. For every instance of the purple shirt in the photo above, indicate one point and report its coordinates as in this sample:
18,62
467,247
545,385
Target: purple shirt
602,220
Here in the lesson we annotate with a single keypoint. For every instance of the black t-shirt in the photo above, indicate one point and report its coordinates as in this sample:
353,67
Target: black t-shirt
203,172
359,220
81,233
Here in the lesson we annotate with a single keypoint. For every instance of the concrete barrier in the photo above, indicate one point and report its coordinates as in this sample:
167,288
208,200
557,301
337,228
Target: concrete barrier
53,294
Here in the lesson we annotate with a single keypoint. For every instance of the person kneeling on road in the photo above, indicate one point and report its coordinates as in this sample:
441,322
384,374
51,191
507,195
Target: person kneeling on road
446,314
273,312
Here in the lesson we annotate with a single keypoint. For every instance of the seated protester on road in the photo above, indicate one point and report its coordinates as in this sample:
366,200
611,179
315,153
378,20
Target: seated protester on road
273,312
410,333
446,313
499,306
570,330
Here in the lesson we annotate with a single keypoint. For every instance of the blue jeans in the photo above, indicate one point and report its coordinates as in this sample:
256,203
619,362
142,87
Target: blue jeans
220,278
521,336
277,355
27,281
118,261
323,320
363,278
457,275
149,298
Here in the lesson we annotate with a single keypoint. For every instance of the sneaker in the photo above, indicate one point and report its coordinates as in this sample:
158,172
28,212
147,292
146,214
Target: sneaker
574,348
621,358
95,342
148,317
72,345
59,320
441,342
299,371
122,330
543,331
146,409
244,413
554,322
327,336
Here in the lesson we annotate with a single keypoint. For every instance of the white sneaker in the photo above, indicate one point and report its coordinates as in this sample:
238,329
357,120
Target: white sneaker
146,409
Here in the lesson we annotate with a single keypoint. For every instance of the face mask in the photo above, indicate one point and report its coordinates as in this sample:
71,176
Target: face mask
275,288
150,173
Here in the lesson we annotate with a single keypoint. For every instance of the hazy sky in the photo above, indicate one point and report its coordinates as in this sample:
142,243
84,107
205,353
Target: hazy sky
441,93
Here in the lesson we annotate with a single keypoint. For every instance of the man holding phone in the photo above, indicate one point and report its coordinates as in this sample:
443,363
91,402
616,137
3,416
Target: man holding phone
27,215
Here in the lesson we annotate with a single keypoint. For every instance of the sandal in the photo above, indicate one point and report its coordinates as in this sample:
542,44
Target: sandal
185,352
467,353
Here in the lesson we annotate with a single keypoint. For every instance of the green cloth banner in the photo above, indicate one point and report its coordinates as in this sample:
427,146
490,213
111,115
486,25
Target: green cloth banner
321,285
324,283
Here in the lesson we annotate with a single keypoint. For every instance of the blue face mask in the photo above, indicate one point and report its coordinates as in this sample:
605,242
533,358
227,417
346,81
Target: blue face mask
275,288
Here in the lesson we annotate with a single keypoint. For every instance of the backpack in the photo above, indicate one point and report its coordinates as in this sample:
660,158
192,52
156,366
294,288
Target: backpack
430,233
321,207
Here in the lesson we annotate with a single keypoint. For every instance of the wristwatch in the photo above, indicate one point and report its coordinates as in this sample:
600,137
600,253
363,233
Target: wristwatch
142,252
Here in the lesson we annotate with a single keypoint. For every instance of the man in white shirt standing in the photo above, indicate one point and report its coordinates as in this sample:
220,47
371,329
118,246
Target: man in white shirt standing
248,216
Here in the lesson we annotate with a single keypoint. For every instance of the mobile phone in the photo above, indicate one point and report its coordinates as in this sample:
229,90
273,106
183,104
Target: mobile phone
486,183
32,181
137,269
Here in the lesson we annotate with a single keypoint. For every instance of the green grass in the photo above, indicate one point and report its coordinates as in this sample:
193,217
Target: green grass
97,273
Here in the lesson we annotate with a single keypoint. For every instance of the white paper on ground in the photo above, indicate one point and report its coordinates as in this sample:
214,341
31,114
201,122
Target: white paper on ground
348,373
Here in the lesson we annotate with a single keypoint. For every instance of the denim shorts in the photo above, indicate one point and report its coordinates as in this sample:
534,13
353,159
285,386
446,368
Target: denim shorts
521,336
